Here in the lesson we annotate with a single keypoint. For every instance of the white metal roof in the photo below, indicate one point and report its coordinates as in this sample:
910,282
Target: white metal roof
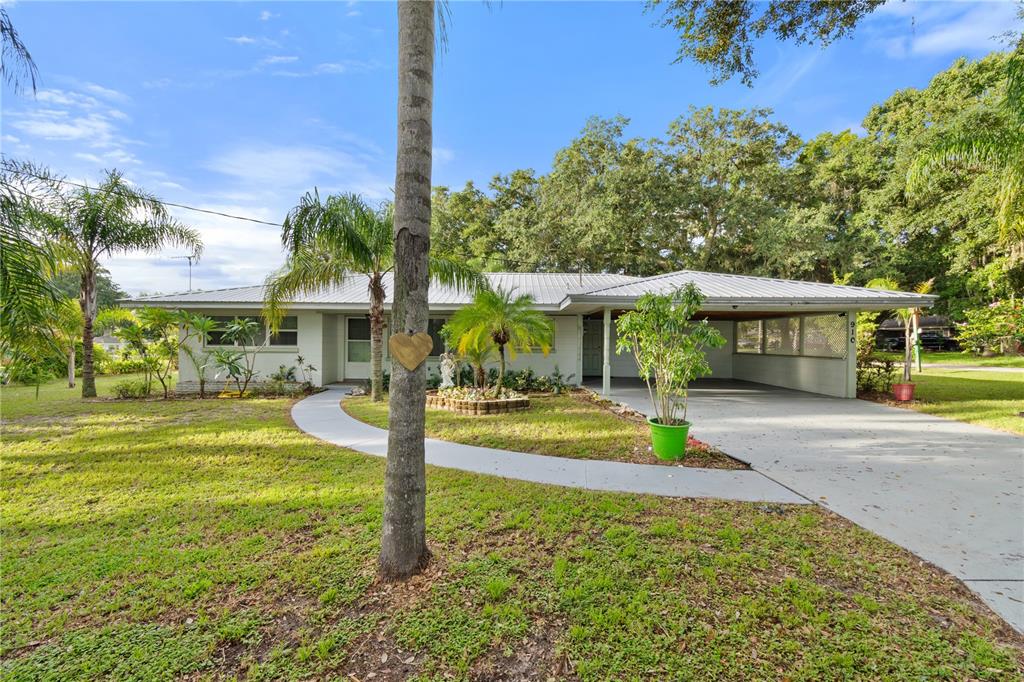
575,292
721,288
547,289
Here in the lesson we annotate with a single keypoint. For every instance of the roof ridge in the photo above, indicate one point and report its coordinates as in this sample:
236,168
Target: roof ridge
800,281
636,279
734,275
195,291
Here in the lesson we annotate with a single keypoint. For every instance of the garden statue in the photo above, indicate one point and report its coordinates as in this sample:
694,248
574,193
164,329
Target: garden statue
449,364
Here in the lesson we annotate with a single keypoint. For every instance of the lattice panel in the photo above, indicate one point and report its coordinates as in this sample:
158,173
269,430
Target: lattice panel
825,336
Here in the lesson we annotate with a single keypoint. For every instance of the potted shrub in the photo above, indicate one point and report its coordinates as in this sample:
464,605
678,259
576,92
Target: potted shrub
904,391
669,349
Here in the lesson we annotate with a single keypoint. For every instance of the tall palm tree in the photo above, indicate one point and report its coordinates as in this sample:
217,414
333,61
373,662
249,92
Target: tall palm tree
403,549
1000,150
329,240
505,320
906,315
115,217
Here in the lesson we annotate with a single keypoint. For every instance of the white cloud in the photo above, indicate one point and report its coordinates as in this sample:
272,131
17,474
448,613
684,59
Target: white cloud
347,66
56,125
294,170
280,59
442,155
267,15
979,29
905,29
157,83
250,40
11,139
106,93
88,127
63,98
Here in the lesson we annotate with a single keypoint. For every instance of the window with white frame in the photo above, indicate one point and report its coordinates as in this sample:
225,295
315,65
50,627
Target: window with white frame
287,335
357,339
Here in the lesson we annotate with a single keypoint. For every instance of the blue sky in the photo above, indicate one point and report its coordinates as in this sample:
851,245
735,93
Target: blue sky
241,107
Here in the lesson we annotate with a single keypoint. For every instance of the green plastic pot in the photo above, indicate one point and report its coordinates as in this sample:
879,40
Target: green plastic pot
669,441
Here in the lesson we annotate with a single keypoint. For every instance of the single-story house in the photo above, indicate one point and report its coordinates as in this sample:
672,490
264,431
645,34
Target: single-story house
798,335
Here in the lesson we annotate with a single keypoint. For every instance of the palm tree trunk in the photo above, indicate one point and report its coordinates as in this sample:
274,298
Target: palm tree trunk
403,549
88,301
376,338
71,365
501,368
906,351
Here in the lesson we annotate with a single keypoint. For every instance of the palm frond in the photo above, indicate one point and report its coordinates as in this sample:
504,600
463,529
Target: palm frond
970,150
455,273
344,221
16,64
310,269
1010,205
1015,78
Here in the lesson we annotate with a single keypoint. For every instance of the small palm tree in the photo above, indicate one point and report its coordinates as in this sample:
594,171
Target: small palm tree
905,315
115,217
328,240
1000,150
505,320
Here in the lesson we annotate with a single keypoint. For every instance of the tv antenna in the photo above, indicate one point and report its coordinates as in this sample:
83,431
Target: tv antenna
189,259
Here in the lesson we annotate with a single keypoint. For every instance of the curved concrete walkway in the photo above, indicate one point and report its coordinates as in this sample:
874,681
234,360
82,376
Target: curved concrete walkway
321,416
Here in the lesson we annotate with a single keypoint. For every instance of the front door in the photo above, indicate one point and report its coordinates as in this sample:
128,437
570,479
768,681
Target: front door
593,347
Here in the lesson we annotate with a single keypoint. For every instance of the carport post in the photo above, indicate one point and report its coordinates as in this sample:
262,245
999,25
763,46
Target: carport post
851,353
606,368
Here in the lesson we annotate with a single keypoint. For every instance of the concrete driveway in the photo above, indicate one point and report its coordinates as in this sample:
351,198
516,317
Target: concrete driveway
950,492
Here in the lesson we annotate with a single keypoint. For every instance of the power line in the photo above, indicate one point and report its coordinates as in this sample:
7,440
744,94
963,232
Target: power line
505,260
159,201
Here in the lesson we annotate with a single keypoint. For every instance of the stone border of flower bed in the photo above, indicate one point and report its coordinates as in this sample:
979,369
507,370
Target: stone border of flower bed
478,407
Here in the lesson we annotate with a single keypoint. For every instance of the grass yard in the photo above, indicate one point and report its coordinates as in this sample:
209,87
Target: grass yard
568,425
992,399
212,540
956,358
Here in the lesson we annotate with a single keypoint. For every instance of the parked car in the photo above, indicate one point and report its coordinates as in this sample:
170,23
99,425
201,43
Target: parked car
929,341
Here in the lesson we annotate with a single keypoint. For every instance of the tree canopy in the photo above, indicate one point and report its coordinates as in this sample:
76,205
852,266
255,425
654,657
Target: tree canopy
737,191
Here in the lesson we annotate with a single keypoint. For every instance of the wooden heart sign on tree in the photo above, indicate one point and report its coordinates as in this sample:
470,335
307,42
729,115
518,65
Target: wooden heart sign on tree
410,349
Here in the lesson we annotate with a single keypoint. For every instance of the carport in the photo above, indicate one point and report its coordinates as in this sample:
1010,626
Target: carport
798,335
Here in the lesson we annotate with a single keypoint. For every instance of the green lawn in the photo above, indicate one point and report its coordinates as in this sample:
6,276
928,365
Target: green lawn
211,539
567,425
956,358
992,399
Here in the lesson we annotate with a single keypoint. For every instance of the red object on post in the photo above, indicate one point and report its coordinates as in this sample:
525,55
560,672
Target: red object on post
903,392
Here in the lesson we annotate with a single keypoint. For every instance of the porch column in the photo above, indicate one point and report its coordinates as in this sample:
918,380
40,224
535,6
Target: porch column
851,353
579,350
606,369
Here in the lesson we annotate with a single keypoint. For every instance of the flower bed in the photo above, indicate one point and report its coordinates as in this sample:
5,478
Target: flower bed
465,400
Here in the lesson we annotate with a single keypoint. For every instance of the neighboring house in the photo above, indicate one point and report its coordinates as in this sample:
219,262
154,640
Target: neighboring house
109,343
937,332
798,335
